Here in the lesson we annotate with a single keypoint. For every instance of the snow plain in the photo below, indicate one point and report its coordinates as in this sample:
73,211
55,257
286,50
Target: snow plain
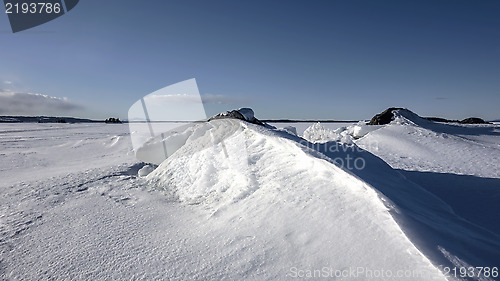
253,204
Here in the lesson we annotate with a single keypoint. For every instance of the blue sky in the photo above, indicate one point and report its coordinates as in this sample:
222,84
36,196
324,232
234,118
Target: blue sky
286,59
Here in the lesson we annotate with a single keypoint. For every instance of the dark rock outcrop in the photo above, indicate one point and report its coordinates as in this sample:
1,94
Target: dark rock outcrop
113,120
473,120
385,117
439,119
245,114
389,115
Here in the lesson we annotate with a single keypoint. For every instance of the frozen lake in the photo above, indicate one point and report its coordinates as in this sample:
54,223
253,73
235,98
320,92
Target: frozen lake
260,205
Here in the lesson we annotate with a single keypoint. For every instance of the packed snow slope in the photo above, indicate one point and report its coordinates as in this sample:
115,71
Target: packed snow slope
458,163
438,147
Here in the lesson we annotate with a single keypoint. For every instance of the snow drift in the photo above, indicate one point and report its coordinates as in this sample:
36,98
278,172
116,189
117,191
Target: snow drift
271,179
411,142
307,212
459,163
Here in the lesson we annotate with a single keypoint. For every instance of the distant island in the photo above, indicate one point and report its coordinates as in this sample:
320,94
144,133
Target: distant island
52,119
307,121
112,120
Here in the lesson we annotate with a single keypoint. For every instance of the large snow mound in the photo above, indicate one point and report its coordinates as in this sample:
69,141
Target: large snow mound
274,179
269,180
413,143
460,163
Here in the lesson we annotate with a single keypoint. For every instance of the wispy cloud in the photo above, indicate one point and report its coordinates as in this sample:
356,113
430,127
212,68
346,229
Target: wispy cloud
221,99
172,99
18,103
189,99
7,82
440,98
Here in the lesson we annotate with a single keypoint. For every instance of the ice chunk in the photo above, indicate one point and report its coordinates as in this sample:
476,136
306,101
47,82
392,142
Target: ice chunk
146,170
318,133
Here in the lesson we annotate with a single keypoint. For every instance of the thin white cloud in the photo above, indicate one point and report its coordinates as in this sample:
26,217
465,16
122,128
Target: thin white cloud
7,82
221,99
190,99
18,103
172,99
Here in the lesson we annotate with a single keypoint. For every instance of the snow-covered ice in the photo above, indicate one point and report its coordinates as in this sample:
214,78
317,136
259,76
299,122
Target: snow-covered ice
231,200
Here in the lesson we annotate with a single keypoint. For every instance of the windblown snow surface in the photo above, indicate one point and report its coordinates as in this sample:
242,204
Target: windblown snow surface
238,201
